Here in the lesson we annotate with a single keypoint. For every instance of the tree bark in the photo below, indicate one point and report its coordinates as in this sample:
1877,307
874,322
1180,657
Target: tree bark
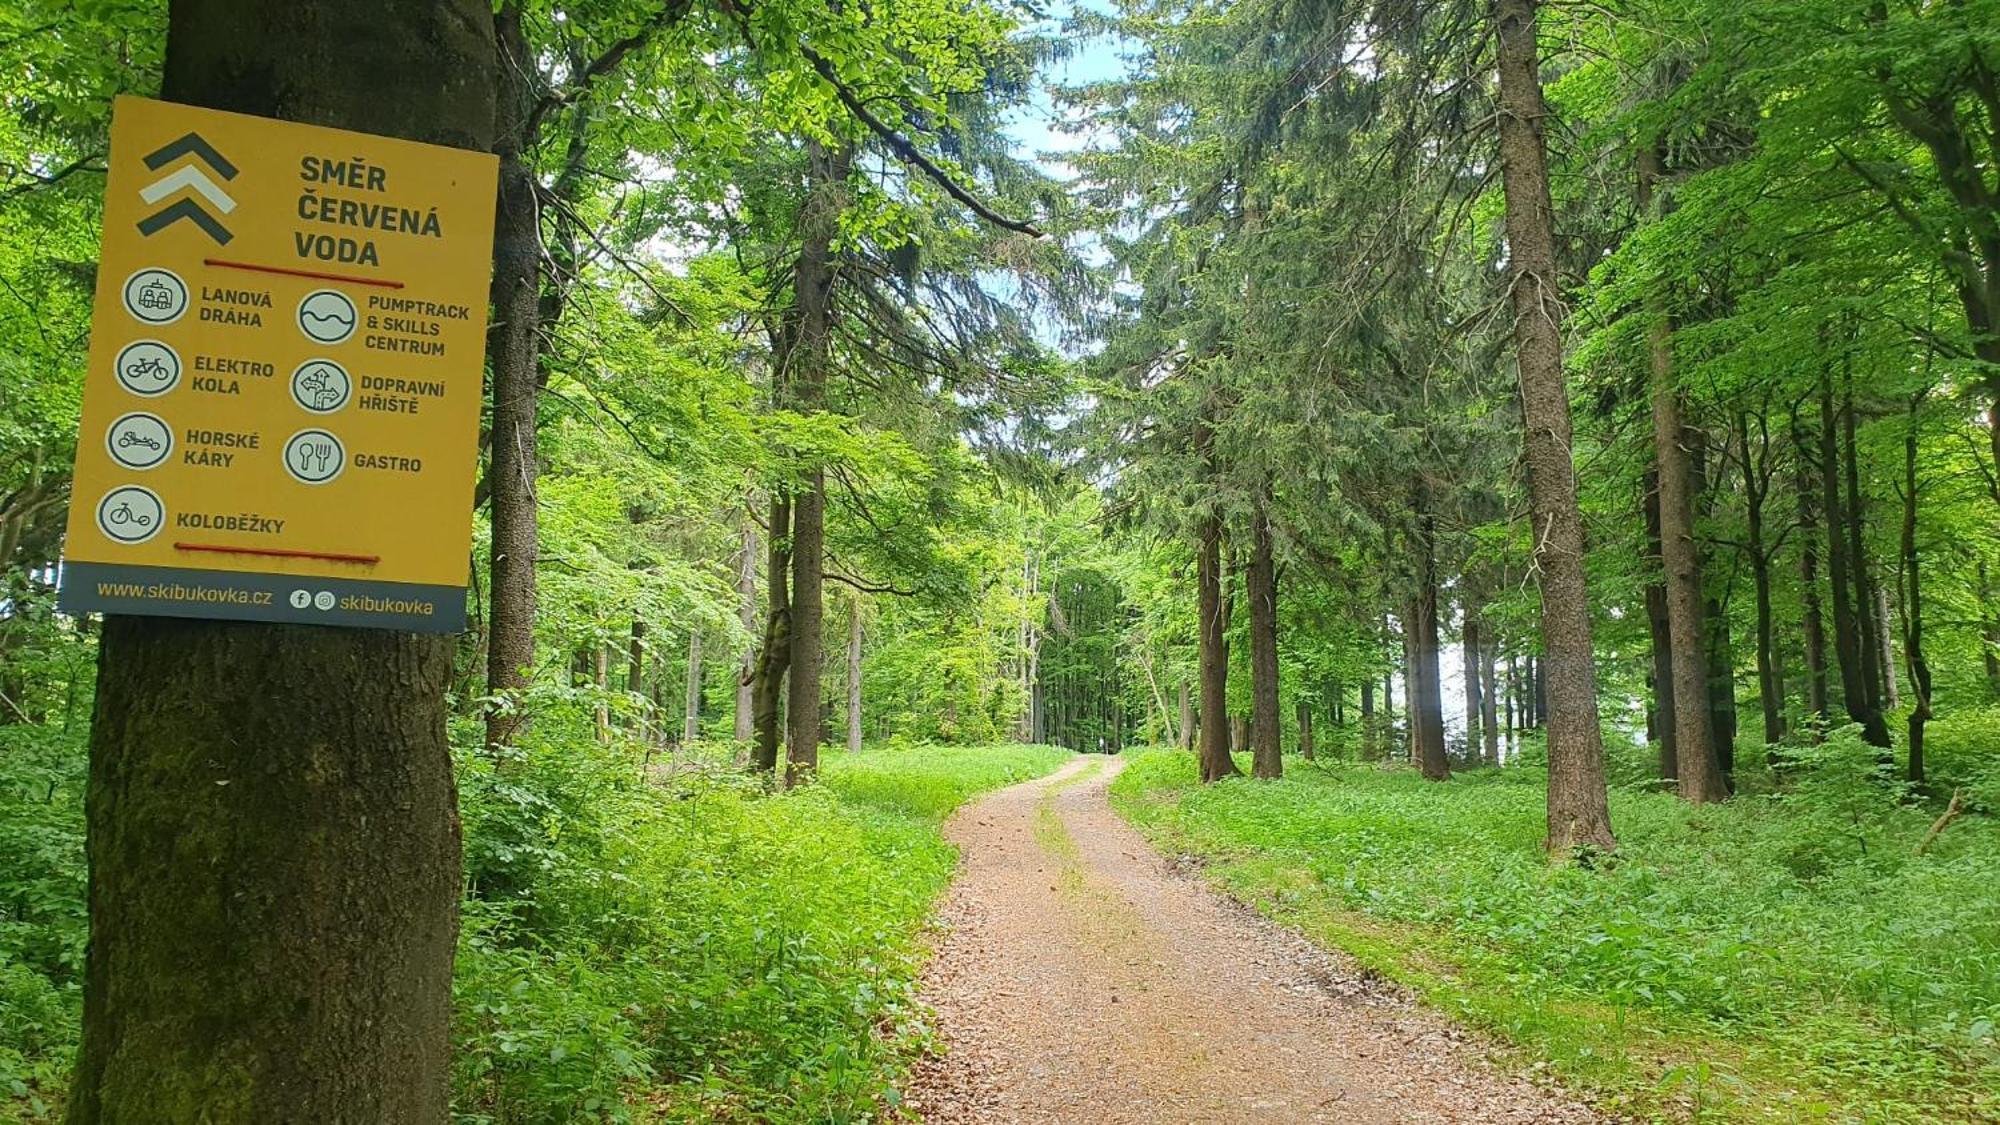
1913,601
1812,623
1663,715
1216,763
1856,690
1367,718
812,332
1578,807
1469,644
746,615
1872,643
1261,587
1426,693
1696,758
1185,736
1305,719
512,347
601,680
691,711
1756,488
854,675
1989,633
273,834
775,660
1489,707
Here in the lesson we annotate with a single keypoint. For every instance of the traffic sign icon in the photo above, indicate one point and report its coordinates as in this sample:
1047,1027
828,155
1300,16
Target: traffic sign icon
321,386
147,368
156,296
189,177
140,440
326,315
130,514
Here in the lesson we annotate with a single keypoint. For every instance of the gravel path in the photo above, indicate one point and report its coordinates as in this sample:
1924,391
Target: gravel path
1082,980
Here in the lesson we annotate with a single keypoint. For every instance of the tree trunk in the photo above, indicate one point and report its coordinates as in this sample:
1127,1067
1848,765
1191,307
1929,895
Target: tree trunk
1989,633
1305,718
1367,718
1721,658
1578,807
273,838
1469,667
1261,587
1913,601
812,333
512,347
1885,629
746,615
600,678
854,675
1812,624
1855,688
774,661
691,712
1216,763
1770,683
1663,715
1870,625
1185,736
1426,692
1696,757
1513,706
1489,706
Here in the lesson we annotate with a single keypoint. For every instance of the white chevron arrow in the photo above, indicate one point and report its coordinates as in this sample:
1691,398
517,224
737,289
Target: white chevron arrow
188,176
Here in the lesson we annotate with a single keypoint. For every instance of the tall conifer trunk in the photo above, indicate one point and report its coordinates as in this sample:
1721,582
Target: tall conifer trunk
273,833
1216,763
1578,807
1261,588
812,333
1662,680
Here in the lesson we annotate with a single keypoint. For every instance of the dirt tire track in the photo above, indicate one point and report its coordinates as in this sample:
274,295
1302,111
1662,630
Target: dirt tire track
1082,980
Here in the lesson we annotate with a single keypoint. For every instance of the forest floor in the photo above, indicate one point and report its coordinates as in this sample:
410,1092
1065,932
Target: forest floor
1082,978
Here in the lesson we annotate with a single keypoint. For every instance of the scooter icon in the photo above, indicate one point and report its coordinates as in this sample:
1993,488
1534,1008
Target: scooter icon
123,514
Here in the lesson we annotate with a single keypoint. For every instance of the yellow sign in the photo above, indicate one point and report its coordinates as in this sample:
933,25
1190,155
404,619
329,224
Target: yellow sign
281,414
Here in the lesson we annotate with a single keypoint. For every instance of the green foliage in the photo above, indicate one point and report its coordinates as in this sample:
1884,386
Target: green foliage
1795,948
42,912
691,949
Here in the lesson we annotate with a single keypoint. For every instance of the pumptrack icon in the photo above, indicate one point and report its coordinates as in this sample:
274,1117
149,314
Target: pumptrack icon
197,198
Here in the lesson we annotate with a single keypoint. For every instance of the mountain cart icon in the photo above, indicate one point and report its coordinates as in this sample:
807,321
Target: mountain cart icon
132,437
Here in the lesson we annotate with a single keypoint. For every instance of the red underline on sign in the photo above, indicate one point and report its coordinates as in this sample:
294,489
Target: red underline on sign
220,263
278,553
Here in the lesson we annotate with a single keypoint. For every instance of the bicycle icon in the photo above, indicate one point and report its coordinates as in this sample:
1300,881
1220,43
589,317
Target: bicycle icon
130,514
147,368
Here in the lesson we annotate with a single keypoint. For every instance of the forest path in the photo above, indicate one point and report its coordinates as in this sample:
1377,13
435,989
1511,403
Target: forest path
1082,980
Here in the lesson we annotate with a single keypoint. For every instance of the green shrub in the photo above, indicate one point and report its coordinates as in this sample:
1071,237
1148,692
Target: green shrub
43,915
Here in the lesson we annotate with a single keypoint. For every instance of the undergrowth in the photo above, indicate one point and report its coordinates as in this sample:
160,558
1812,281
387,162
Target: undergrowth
685,948
1780,957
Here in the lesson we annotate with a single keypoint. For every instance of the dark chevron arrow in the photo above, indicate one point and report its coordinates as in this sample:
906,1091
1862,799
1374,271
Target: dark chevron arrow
190,176
191,144
189,210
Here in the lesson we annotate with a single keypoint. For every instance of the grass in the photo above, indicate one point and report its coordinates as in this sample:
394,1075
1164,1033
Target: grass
1778,958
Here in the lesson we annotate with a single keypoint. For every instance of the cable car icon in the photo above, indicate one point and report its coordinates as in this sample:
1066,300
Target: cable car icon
155,296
